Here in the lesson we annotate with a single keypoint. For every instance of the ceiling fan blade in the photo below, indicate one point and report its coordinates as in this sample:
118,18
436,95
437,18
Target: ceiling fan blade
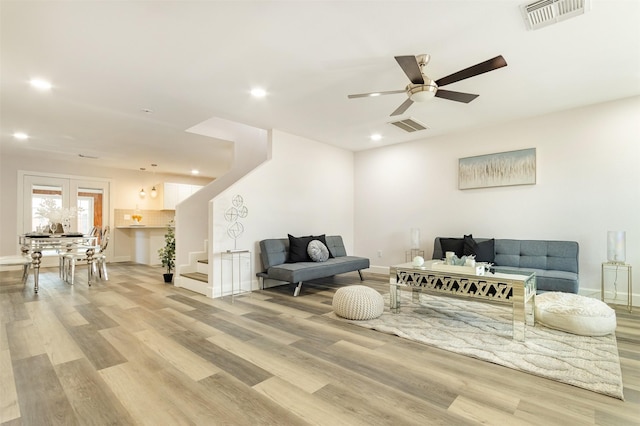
409,65
455,96
481,68
402,108
372,94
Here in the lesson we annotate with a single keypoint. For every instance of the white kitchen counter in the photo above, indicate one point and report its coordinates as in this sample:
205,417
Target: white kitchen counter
143,242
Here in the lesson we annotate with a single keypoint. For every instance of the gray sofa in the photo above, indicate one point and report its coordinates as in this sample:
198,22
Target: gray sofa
274,254
554,262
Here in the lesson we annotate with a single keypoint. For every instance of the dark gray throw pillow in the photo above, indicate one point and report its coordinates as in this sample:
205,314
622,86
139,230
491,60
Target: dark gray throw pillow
455,245
485,251
298,249
317,251
469,245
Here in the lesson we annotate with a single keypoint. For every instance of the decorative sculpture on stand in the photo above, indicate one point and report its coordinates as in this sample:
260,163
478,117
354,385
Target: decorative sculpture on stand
237,211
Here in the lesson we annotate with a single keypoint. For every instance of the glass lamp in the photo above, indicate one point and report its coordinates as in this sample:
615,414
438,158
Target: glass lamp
616,246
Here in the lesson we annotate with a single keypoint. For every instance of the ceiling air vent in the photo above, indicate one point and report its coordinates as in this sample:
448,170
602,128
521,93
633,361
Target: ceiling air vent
409,125
546,12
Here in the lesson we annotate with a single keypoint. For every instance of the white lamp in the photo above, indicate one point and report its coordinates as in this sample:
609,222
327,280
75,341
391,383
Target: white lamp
142,193
616,246
415,238
154,193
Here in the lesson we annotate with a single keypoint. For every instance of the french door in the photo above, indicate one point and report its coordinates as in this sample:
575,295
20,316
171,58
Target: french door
89,197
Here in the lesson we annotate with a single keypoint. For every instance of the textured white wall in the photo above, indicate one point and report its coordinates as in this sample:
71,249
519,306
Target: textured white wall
588,182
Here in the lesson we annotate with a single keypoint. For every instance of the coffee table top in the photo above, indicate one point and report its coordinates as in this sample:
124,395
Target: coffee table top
428,266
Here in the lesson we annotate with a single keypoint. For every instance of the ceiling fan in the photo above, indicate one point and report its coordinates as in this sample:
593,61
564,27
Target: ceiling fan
423,88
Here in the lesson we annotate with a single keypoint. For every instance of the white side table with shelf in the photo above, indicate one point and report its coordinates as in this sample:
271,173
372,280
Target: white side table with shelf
239,262
612,274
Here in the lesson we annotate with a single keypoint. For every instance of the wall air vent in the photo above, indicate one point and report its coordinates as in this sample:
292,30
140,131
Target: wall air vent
409,125
546,12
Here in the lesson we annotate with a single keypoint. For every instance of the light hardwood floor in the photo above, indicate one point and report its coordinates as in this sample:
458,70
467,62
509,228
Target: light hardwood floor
136,351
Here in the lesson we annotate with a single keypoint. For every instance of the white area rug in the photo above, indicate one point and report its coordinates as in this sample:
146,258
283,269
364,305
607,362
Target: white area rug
484,331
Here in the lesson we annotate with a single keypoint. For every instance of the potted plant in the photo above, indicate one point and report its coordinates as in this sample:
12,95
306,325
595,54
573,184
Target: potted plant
168,253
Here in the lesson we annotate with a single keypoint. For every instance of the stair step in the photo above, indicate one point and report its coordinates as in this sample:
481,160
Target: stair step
198,276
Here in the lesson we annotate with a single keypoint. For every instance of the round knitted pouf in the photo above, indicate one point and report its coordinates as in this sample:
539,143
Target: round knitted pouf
575,314
358,302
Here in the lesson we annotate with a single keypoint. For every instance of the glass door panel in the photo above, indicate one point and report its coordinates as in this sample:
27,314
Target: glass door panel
43,198
40,193
90,208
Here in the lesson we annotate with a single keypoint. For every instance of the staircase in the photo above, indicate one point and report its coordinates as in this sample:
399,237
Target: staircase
201,272
195,275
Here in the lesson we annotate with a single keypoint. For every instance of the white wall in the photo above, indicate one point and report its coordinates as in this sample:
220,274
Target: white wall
306,188
588,182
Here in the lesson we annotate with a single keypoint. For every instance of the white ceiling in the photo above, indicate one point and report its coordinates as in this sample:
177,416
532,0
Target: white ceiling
190,61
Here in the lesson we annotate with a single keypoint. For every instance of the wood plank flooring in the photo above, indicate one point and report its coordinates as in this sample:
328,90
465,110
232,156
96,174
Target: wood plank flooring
136,351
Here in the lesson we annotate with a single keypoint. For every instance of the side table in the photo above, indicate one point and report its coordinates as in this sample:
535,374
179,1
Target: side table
410,254
235,259
614,269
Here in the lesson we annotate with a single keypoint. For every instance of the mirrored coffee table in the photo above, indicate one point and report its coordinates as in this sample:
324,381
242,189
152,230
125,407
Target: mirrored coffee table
515,289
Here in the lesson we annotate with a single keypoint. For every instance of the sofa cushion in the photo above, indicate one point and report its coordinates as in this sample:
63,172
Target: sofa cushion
548,280
539,254
304,271
317,251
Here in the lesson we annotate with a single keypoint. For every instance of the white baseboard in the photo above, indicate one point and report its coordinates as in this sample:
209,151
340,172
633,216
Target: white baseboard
384,270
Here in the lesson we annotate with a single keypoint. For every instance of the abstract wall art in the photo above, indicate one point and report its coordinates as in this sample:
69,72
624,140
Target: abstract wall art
500,169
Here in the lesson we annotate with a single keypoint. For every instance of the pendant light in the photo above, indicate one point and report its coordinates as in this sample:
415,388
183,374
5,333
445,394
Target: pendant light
154,193
142,193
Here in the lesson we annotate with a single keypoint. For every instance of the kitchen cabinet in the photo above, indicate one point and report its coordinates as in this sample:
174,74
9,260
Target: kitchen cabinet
174,193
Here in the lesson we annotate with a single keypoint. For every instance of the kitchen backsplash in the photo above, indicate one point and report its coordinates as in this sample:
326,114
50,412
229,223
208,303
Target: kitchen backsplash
149,217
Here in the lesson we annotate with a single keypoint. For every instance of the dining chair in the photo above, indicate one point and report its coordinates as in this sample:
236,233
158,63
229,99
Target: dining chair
100,258
71,258
18,260
69,249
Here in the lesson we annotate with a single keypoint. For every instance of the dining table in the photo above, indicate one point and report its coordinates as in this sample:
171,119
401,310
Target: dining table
33,244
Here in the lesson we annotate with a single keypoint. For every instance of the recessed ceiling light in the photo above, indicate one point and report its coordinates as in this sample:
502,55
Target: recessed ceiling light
40,84
258,92
374,94
195,171
376,137
21,136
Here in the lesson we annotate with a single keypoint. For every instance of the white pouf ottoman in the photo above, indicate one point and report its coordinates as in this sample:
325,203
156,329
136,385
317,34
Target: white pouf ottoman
575,314
358,302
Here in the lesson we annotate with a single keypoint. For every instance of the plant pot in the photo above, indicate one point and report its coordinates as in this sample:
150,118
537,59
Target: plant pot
168,278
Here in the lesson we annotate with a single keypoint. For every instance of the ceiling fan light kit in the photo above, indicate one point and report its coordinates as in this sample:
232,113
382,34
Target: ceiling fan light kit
422,88
422,92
